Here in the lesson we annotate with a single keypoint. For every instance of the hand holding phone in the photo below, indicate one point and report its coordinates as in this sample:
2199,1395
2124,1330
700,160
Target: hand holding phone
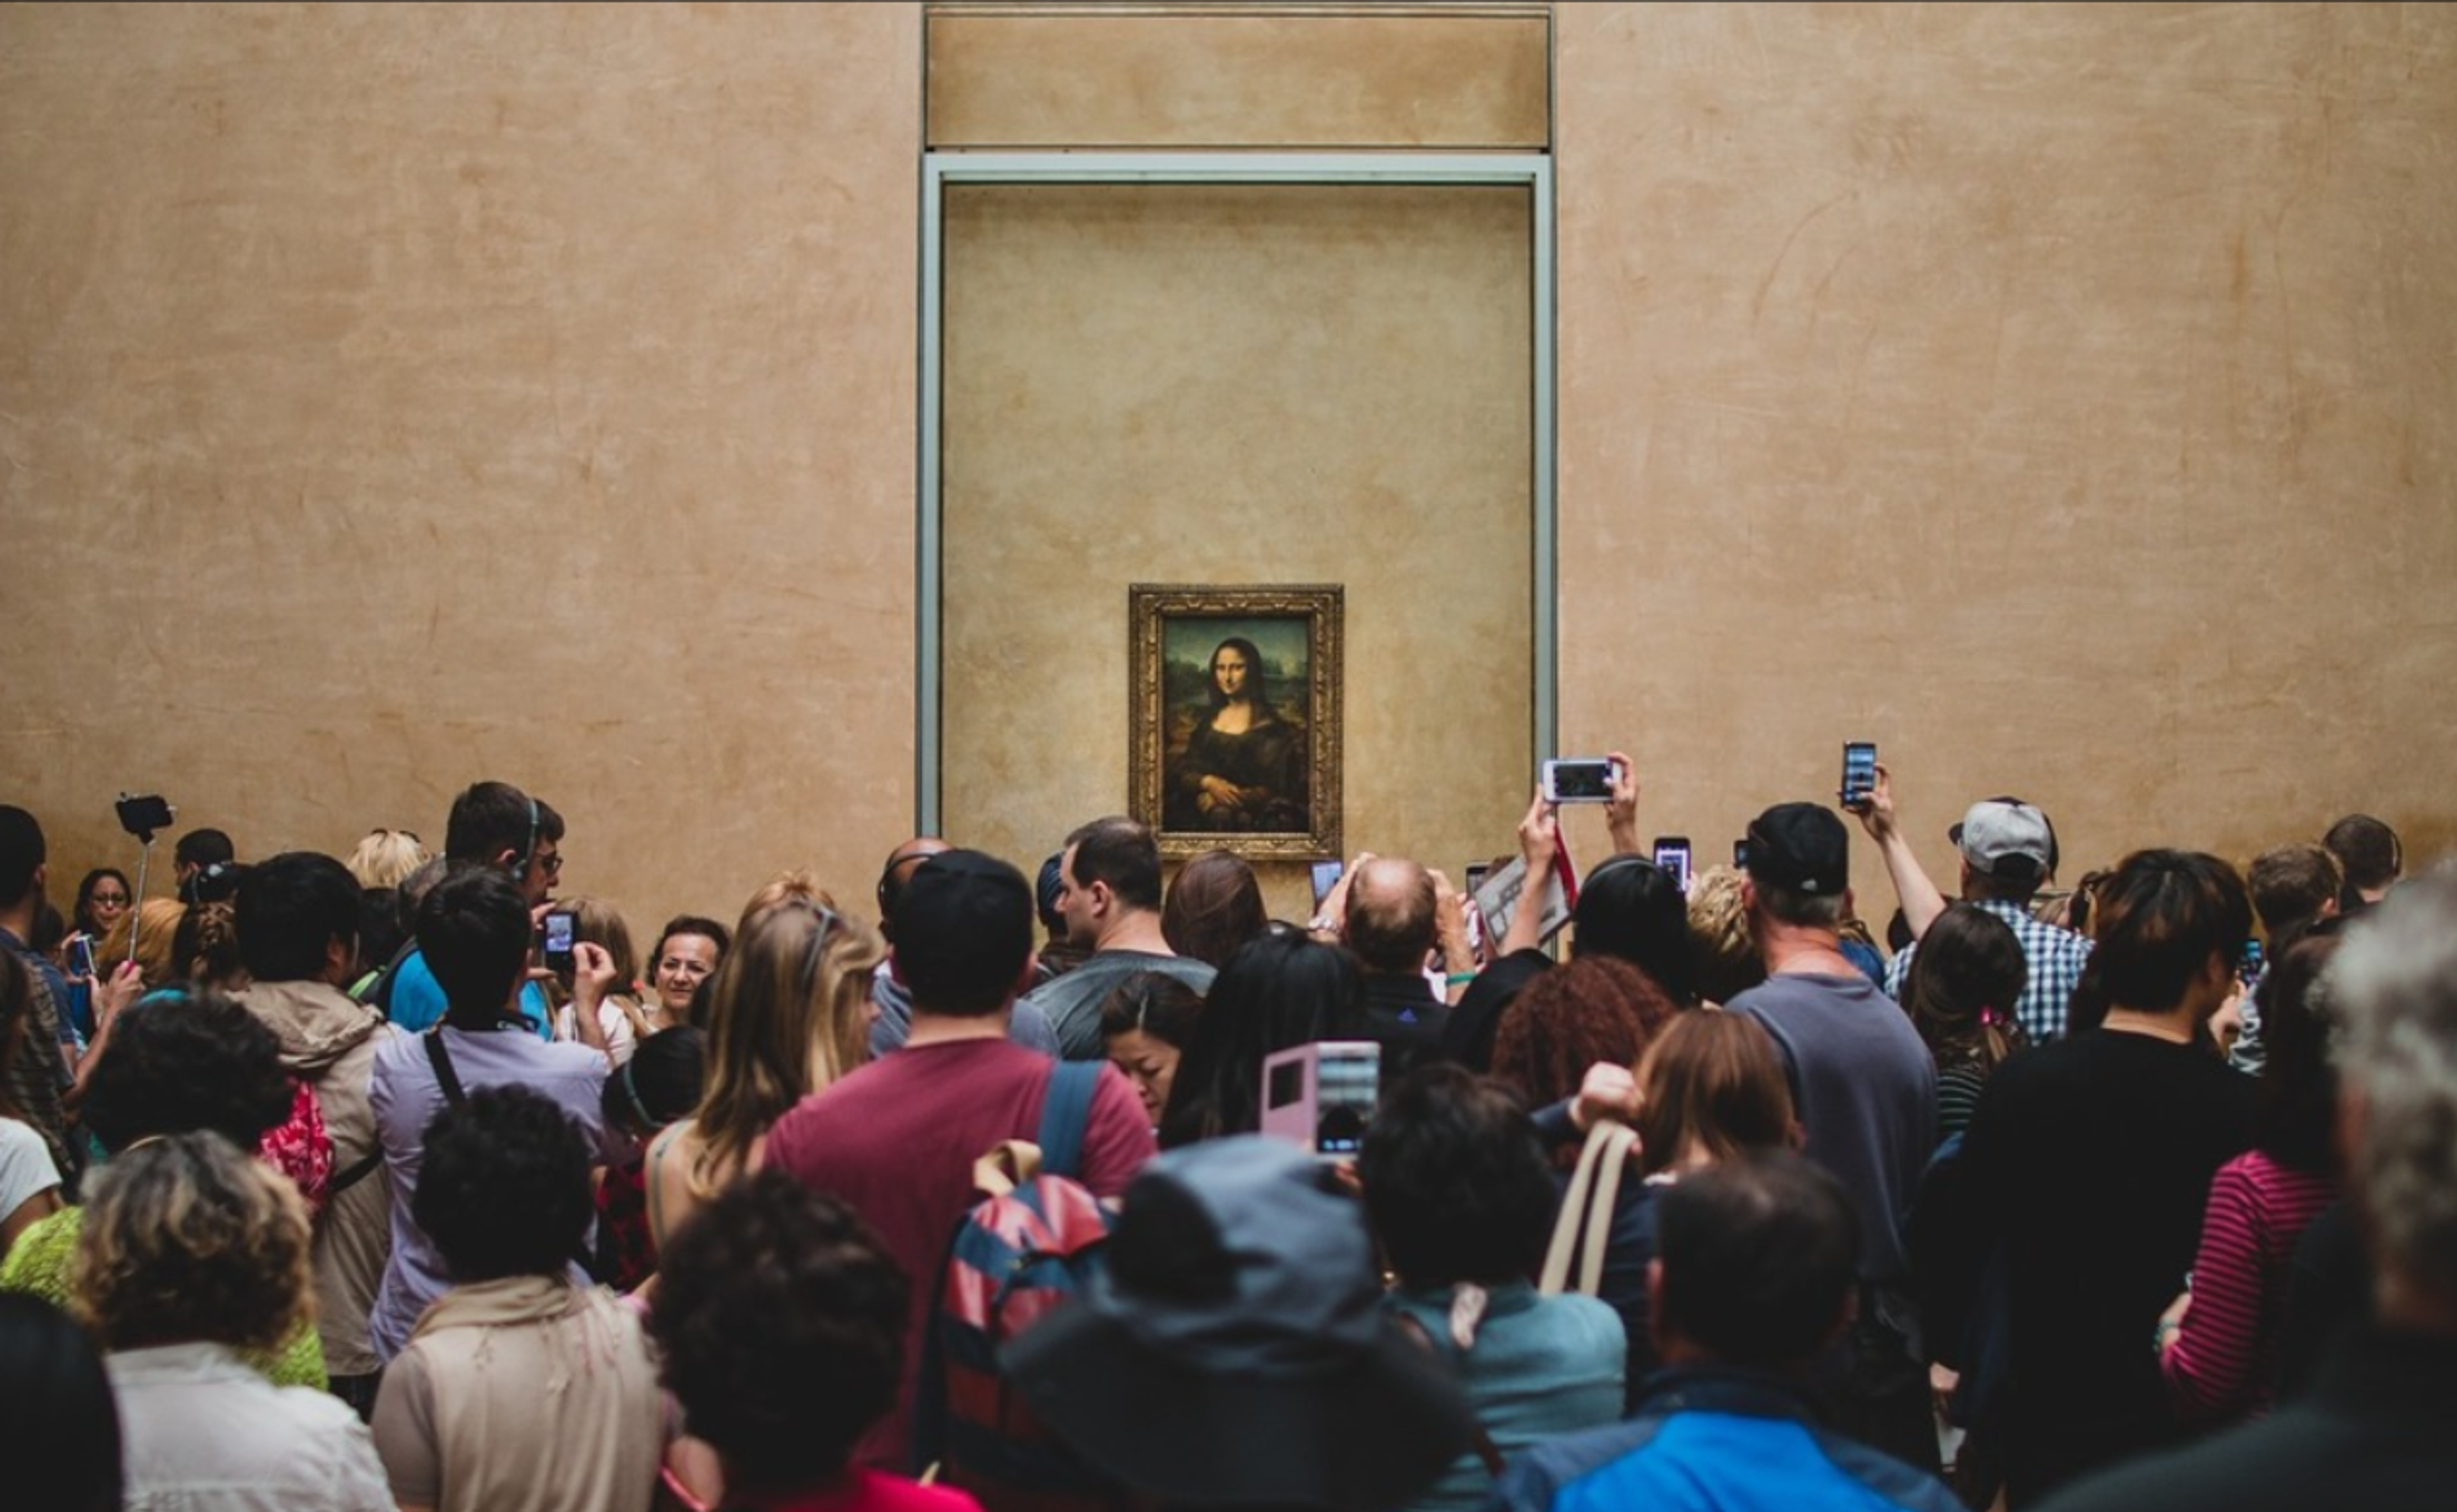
81,957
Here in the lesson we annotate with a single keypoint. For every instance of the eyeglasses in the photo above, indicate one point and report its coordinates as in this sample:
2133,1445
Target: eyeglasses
551,864
109,900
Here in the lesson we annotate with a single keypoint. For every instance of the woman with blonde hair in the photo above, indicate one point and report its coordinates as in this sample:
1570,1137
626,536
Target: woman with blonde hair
385,856
789,1014
191,1253
154,925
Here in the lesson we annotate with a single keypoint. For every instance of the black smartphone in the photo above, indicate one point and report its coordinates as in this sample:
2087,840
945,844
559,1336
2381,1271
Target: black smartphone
555,951
1672,854
1740,856
142,817
1476,873
1859,772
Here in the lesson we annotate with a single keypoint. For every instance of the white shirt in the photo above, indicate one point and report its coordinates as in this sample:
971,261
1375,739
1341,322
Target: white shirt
202,1432
26,1167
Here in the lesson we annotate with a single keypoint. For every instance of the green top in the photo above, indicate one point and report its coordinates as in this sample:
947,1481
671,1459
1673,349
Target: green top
39,1262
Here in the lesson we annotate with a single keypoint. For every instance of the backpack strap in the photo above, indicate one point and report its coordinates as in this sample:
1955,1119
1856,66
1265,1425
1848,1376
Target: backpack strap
351,1176
440,1059
1066,1113
377,993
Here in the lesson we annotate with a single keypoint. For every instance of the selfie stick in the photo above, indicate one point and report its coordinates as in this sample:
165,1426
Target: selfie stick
137,904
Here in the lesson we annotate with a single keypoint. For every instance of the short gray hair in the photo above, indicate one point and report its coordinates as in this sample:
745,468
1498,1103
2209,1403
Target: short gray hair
1801,910
2394,988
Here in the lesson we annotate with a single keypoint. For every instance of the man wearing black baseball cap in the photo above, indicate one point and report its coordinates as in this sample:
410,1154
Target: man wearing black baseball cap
1866,1089
898,1138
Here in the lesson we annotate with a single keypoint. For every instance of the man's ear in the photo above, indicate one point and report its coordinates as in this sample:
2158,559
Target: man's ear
340,956
1748,894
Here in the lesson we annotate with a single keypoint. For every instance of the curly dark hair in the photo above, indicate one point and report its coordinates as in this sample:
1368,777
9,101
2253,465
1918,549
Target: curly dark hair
781,1319
187,1059
190,1238
1591,1008
502,1186
1455,1181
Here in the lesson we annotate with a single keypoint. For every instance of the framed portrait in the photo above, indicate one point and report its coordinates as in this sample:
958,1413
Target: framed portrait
1234,700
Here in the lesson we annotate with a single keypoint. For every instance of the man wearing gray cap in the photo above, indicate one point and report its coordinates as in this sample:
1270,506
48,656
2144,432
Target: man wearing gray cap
2009,852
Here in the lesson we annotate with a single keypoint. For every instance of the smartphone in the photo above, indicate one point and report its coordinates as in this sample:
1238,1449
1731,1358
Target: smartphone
81,956
1859,772
1326,877
556,952
1672,854
1322,1095
142,817
2248,969
1475,874
1580,779
1740,856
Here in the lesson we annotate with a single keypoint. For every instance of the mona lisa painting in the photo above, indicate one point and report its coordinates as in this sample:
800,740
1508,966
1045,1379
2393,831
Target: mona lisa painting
1235,702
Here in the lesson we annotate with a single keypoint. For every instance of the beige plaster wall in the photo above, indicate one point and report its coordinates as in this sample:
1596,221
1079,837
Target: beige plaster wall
393,396
2064,397
1228,384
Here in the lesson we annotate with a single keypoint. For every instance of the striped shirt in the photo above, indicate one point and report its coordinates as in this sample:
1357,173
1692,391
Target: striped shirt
2223,1365
2055,958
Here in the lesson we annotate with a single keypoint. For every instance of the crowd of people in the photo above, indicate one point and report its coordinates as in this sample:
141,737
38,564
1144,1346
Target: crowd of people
397,1181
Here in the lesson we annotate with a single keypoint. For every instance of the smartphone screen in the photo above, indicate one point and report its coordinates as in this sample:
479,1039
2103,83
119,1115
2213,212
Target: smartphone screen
557,949
1740,856
1859,770
1326,877
1348,1080
1672,854
81,957
1579,781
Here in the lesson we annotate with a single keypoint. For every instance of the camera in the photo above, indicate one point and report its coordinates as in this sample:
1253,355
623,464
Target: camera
1580,779
142,817
1859,772
1322,1095
556,953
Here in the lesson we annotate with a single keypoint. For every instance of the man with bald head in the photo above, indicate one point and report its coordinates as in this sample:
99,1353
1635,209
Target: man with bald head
1392,922
1027,1026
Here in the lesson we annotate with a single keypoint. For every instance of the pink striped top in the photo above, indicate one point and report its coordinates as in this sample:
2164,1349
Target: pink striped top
2223,1365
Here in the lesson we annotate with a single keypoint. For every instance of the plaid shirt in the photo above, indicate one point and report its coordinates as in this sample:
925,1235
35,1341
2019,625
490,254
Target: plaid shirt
2055,957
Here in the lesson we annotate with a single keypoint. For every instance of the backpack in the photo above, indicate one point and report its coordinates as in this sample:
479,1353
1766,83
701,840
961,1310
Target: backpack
1029,1246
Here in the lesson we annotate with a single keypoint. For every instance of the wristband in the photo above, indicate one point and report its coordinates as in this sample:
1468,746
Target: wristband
1459,979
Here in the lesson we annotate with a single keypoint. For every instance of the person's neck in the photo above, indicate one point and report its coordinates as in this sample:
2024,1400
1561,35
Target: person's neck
1138,929
2177,1025
944,1029
19,921
2414,1309
1804,950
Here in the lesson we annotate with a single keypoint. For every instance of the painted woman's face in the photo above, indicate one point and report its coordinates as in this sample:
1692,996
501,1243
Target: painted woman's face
1229,672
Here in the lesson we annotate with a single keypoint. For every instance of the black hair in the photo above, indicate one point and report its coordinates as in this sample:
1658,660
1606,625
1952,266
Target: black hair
383,926
1760,1256
1258,686
502,1186
2162,918
2294,1103
691,924
2369,851
1155,1003
1456,1183
1632,908
1282,989
22,854
290,909
473,928
183,1060
16,1011
1121,852
60,1423
492,818
780,1317
662,1080
203,848
1962,986
965,961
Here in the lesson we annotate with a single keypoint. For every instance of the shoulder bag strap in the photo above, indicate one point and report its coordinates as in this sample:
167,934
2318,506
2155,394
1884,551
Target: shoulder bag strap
1587,1211
440,1059
1065,1110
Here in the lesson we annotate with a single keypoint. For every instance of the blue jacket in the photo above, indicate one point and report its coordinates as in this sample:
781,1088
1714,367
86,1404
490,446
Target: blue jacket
1714,1441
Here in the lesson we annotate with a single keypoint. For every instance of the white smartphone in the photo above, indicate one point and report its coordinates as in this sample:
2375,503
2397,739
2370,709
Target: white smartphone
1578,779
1672,854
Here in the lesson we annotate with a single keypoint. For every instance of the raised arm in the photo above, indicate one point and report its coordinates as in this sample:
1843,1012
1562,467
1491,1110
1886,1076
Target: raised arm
1539,839
1919,896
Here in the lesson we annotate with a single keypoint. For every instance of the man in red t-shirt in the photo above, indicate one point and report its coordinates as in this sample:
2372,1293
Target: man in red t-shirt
898,1138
